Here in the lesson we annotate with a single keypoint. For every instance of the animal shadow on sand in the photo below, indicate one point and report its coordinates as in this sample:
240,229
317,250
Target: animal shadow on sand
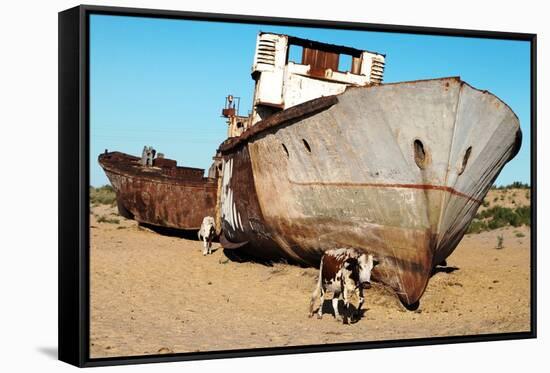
240,256
443,268
350,316
190,234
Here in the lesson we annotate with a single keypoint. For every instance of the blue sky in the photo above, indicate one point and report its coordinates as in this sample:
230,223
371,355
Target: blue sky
162,82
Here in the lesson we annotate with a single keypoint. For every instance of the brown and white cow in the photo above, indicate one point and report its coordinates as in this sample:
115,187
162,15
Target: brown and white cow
342,272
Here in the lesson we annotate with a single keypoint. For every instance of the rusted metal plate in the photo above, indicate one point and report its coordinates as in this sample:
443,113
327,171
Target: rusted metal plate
348,176
164,163
319,61
228,112
174,197
240,205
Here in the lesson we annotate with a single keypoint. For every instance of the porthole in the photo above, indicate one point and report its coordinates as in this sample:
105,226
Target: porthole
285,149
465,160
306,144
419,154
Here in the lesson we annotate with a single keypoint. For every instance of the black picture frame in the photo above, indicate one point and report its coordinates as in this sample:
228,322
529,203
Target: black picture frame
74,287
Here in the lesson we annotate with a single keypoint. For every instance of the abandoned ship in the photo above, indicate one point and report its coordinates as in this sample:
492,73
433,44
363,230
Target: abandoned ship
332,158
154,190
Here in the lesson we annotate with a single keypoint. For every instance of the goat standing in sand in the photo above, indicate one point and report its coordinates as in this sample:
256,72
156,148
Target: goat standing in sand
342,272
207,233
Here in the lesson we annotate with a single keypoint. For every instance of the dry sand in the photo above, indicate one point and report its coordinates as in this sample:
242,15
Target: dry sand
153,293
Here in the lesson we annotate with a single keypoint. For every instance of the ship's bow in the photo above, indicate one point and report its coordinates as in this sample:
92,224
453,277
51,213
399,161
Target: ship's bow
398,170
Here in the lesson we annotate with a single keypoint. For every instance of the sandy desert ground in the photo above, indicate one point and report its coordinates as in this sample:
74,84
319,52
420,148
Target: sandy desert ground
154,293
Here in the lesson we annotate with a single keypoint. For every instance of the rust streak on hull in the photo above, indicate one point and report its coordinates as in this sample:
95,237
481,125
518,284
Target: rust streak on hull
407,186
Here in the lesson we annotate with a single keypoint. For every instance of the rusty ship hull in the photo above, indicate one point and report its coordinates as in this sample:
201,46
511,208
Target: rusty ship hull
397,170
163,195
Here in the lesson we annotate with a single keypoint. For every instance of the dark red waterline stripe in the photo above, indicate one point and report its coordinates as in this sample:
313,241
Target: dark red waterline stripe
408,186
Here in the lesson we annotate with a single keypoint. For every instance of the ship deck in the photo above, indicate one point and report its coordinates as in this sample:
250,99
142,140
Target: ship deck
130,166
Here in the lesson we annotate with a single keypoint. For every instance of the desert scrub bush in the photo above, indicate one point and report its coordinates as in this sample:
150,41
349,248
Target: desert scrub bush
485,203
477,226
514,185
520,235
105,219
498,216
104,195
524,215
518,185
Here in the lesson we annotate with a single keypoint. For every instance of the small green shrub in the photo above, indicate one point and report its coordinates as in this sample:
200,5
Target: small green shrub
498,217
520,235
477,226
514,185
524,215
518,185
104,195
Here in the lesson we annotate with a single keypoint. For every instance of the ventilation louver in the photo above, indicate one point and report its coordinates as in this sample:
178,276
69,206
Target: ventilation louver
377,70
266,52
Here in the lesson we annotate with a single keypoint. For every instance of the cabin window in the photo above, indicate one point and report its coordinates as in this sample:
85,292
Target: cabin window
419,154
295,53
344,64
306,144
286,150
465,160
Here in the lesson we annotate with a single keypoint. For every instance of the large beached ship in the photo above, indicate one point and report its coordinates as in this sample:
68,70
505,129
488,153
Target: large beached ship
330,157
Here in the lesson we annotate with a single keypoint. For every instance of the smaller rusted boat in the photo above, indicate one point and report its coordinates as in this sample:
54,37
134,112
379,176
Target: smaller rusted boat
154,190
